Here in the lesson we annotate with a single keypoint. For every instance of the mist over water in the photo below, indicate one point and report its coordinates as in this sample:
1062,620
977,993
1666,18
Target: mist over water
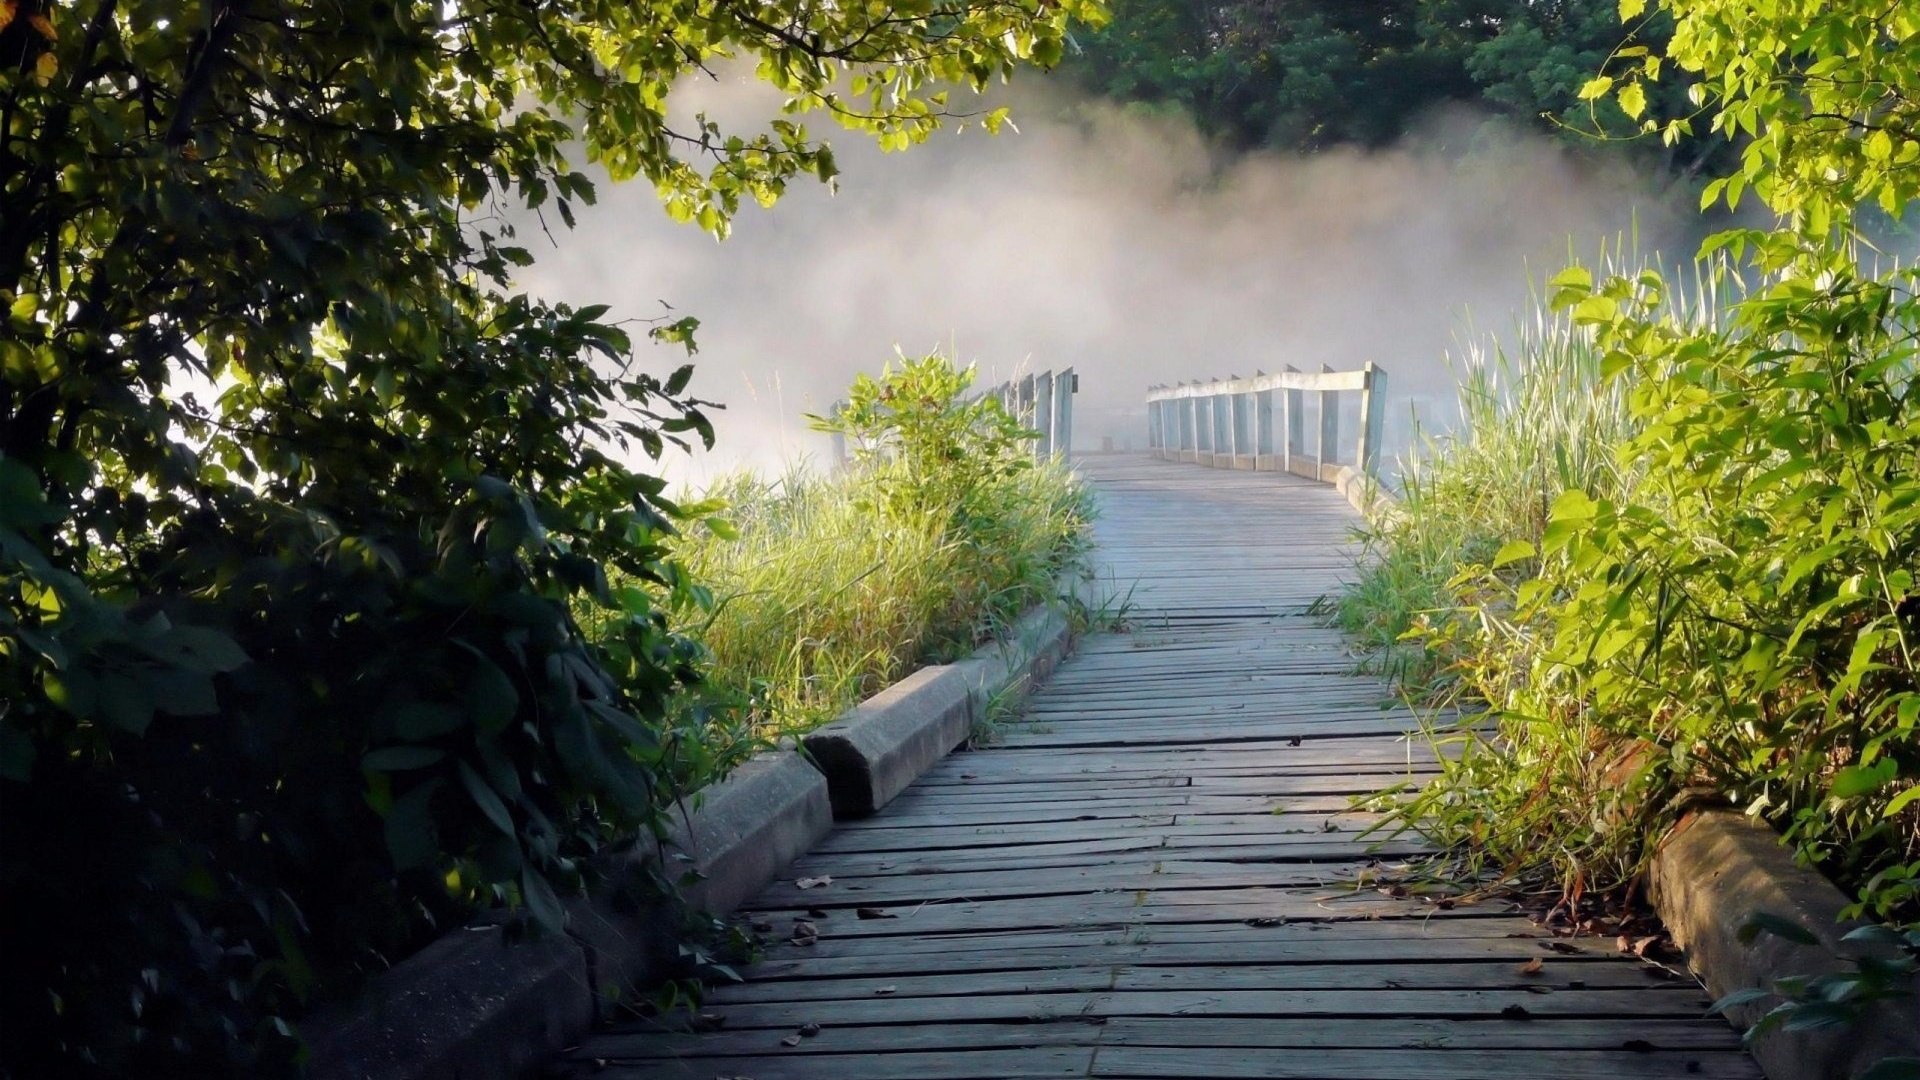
1107,240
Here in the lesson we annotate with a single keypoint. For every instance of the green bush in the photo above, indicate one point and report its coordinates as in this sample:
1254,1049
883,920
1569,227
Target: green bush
1722,600
940,532
1738,620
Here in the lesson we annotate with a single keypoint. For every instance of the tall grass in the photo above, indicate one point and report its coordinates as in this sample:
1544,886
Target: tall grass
1536,419
822,596
1542,787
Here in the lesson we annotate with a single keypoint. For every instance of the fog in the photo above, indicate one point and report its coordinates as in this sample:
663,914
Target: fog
1108,240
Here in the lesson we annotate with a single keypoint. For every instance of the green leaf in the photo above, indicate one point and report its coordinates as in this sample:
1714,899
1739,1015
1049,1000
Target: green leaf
542,902
412,840
1513,551
1737,999
1857,780
1901,801
1596,87
1631,9
486,799
1633,100
1893,1068
198,648
401,758
418,721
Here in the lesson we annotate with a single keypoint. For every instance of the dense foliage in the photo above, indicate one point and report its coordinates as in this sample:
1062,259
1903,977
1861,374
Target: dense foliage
1741,614
940,532
1310,74
295,489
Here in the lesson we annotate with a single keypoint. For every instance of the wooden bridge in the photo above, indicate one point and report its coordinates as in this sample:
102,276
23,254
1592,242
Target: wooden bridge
1158,873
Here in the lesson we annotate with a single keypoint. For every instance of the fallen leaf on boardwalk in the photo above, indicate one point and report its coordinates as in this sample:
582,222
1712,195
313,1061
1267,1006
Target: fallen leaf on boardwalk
708,1022
1536,988
1394,890
1623,943
1516,1012
1561,947
1266,920
969,776
1641,945
813,882
1576,984
803,928
808,1031
818,913
1295,741
791,1040
1533,966
886,989
874,913
803,940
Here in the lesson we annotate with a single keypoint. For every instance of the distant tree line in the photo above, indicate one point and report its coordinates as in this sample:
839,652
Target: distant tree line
1307,75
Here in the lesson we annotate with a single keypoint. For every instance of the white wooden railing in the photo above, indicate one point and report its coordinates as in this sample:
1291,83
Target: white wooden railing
1043,402
1233,424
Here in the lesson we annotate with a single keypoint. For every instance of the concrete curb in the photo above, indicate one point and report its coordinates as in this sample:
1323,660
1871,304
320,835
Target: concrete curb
1710,876
472,1006
1365,494
873,751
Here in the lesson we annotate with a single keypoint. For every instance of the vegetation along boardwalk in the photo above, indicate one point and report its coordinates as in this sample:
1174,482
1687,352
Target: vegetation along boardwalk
1155,875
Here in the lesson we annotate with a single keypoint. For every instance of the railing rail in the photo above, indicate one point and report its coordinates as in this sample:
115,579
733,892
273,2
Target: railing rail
1232,423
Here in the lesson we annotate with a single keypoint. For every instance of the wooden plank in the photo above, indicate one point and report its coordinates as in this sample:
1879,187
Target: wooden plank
1399,973
1426,1064
1384,1003
776,1064
1546,1033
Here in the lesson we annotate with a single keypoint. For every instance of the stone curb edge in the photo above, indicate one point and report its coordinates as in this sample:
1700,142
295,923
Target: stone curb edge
473,1006
1710,876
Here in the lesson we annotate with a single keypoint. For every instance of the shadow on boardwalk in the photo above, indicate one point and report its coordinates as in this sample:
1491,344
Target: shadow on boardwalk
1153,877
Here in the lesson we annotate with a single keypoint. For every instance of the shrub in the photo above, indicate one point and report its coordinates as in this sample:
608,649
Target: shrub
942,530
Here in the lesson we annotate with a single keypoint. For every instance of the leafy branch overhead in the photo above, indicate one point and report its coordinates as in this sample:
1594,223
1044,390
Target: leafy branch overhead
299,487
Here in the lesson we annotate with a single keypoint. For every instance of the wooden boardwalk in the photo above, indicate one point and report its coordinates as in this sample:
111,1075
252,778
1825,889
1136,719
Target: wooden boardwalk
1155,875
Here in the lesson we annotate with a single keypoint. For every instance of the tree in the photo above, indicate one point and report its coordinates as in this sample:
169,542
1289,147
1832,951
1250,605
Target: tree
1308,74
295,489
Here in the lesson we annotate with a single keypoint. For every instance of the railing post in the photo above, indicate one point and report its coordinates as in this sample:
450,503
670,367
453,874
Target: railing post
1220,433
1236,423
1262,425
1153,421
1065,385
1373,415
1329,427
1189,426
1210,429
1043,414
1295,417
